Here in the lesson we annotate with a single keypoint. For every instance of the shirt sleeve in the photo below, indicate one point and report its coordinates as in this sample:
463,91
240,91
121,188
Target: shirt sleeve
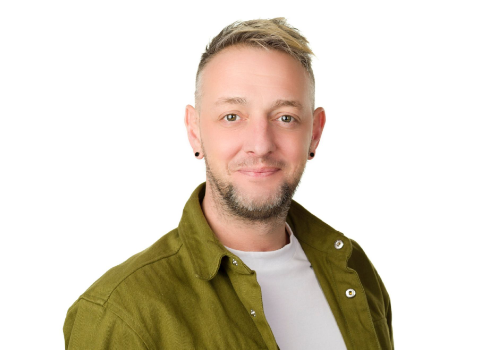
92,326
388,312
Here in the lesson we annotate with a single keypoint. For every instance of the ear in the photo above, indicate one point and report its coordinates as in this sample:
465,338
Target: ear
191,120
319,120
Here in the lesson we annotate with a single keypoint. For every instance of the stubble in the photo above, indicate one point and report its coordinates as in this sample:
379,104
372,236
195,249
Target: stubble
234,203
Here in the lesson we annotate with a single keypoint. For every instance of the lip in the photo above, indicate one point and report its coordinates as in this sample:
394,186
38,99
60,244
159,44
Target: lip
259,172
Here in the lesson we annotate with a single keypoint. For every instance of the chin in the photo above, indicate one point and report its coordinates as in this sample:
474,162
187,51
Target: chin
258,197
258,187
254,198
259,193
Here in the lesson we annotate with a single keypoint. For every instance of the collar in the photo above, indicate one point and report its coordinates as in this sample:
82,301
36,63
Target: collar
206,251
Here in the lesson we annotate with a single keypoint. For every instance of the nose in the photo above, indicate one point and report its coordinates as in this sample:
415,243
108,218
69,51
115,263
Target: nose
259,137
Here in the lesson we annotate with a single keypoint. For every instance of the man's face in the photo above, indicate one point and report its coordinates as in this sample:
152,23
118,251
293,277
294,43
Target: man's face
255,128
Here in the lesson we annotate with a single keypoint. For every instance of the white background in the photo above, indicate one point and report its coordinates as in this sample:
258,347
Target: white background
96,166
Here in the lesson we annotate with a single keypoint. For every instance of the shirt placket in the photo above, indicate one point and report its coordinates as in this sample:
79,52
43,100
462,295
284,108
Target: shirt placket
244,281
345,295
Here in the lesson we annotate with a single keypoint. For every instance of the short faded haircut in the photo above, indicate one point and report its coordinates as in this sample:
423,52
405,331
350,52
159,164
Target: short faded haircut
275,34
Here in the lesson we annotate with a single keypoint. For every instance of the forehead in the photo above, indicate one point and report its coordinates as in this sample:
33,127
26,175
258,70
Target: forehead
254,73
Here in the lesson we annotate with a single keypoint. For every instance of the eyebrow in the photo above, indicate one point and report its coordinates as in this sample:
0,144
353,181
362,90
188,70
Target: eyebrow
288,103
243,101
231,101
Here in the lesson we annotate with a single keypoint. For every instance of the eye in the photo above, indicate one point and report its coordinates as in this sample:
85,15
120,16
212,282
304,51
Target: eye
287,118
231,117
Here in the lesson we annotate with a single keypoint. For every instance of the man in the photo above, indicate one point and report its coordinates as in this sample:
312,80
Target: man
247,268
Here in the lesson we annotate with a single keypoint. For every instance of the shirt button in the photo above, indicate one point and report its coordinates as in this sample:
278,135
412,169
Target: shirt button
350,293
339,244
252,313
235,262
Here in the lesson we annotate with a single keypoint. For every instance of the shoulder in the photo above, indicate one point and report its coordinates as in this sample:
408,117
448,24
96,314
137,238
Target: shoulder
106,312
358,259
163,250
377,295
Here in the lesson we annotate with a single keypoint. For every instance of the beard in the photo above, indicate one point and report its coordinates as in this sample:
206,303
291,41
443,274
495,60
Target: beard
236,204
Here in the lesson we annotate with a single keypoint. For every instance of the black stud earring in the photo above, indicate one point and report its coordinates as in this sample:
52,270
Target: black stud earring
311,154
197,154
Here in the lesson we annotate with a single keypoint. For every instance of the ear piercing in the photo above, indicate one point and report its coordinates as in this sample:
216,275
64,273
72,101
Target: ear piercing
198,153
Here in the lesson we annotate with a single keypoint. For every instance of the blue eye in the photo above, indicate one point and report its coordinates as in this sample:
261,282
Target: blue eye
231,117
286,118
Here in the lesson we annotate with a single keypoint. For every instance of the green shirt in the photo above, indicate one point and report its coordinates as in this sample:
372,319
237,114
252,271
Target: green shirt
187,291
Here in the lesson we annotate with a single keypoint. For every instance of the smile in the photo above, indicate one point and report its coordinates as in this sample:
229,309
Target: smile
259,172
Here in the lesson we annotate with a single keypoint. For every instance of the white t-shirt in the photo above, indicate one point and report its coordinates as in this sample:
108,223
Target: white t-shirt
294,304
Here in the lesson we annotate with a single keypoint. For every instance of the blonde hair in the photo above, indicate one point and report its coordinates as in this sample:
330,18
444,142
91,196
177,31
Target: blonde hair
275,34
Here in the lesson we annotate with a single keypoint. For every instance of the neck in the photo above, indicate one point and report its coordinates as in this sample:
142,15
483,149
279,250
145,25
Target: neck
240,233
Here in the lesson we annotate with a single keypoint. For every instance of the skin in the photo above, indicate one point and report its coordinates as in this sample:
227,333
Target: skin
252,143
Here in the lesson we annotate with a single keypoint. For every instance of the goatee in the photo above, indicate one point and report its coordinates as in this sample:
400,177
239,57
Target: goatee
275,208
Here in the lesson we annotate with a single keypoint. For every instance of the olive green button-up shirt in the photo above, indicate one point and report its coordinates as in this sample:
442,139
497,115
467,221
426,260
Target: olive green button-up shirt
187,291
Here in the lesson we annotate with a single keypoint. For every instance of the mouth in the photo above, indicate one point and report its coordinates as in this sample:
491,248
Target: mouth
259,172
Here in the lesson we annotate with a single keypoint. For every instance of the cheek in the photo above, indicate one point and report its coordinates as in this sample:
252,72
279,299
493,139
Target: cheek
295,149
219,144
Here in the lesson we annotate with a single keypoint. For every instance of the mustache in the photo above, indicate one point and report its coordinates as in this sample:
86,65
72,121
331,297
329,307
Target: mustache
258,162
